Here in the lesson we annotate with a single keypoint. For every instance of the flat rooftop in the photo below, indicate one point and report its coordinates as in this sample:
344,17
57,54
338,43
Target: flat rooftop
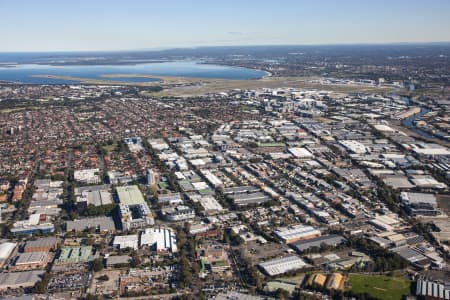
130,195
16,279
42,242
101,223
31,258
282,265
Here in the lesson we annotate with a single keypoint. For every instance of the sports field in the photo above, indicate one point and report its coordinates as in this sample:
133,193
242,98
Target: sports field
379,286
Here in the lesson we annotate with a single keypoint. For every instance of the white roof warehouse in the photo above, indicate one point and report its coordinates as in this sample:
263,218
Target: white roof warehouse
282,265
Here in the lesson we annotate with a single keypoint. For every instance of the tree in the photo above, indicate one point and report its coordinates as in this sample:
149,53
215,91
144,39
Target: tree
185,272
101,210
281,294
153,189
41,286
94,297
97,265
135,261
103,278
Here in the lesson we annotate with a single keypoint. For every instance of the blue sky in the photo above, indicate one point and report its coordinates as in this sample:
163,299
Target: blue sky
74,25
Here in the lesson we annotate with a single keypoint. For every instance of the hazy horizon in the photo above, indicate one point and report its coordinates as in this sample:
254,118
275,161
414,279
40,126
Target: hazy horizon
83,26
434,43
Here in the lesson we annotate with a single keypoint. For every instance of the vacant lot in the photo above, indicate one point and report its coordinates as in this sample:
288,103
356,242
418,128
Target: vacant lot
105,287
444,203
379,286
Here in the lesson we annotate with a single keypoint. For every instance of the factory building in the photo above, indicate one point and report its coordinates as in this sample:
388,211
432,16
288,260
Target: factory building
420,204
30,261
36,223
432,290
41,245
162,239
15,280
100,224
335,282
126,241
296,233
329,240
6,249
97,195
282,265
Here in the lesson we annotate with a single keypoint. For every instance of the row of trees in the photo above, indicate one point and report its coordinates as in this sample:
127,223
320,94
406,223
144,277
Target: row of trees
187,246
101,210
383,260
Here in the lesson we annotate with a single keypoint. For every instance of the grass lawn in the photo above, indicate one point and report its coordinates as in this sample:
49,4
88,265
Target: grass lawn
379,286
109,148
163,186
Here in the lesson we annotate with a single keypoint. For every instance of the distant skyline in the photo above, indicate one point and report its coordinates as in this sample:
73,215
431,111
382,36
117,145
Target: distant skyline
110,25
